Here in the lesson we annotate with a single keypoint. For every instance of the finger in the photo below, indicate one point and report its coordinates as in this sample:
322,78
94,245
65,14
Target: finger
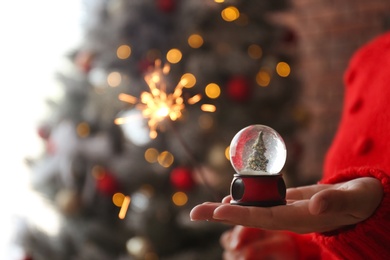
294,217
275,246
226,199
305,192
224,240
204,211
356,199
241,236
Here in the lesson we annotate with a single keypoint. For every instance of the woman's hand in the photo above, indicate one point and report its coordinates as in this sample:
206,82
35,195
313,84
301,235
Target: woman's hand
253,243
315,208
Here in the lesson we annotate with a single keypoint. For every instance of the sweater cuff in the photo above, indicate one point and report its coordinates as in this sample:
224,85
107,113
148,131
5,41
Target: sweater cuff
368,239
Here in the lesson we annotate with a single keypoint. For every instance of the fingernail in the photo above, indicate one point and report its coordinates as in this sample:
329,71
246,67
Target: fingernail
216,215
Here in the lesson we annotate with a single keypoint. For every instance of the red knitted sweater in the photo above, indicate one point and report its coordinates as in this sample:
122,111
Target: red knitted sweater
360,148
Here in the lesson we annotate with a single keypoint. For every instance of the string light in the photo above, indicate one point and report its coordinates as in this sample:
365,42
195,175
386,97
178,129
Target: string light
174,56
283,69
188,80
230,13
125,206
118,198
212,90
208,108
123,52
179,198
195,41
151,155
156,104
165,159
83,129
263,78
114,79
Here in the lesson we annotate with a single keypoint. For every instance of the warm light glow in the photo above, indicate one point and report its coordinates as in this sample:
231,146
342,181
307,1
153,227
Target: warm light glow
151,155
127,98
180,198
195,99
156,104
165,159
118,198
227,153
208,108
174,56
124,208
263,78
123,52
83,129
219,1
230,13
114,79
212,90
255,51
283,69
195,41
188,80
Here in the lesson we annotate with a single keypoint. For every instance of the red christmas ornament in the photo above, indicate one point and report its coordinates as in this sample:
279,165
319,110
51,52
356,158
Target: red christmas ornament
166,6
181,178
83,60
239,89
43,132
106,183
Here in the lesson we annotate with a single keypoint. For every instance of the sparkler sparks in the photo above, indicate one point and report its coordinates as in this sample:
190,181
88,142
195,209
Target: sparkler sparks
156,104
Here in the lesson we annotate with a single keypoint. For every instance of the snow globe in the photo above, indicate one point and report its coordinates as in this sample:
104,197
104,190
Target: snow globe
258,154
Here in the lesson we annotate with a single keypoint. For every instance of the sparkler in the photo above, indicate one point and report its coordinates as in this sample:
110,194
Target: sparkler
156,104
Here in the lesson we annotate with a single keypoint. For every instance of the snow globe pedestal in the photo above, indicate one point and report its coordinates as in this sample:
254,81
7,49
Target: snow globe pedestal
258,154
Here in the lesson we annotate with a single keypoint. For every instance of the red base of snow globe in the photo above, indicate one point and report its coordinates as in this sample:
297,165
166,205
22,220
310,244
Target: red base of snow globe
258,190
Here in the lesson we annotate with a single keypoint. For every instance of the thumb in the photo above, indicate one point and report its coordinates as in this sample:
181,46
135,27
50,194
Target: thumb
357,198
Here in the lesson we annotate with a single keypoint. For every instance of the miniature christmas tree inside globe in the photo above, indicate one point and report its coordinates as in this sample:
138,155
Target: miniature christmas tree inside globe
257,150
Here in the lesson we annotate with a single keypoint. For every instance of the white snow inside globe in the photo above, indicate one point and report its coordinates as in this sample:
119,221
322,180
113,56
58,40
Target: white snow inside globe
257,150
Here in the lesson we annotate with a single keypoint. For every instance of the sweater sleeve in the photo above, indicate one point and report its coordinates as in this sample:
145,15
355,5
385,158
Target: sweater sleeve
369,239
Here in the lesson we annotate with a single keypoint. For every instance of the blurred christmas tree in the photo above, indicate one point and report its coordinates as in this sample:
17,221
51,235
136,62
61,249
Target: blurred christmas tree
156,92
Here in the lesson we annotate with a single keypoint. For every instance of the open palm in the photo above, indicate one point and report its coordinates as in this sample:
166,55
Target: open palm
315,208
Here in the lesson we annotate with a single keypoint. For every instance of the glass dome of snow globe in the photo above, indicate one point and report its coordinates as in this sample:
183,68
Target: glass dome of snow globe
257,150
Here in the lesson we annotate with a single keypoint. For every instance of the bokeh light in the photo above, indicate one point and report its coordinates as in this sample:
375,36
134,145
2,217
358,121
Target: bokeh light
151,155
118,198
179,198
123,52
114,79
83,129
188,80
283,69
195,41
174,56
165,159
208,108
230,13
212,90
263,78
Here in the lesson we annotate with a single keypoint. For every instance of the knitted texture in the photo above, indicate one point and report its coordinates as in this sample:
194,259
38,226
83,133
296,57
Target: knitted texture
361,148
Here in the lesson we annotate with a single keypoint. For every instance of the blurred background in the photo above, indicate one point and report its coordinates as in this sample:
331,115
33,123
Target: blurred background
118,114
